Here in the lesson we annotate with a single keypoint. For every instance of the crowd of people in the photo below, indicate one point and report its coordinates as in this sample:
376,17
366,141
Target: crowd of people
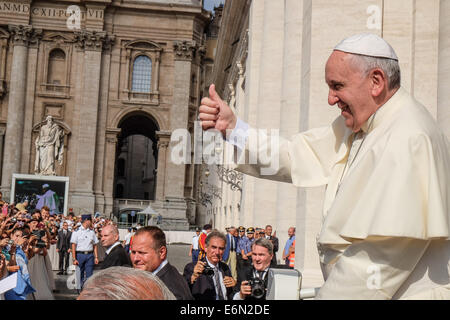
31,242
208,277
223,267
238,250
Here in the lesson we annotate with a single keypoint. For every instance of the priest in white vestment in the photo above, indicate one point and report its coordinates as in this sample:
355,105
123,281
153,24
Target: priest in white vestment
386,165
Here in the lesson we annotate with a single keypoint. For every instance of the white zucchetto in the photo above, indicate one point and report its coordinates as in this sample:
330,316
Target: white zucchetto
367,44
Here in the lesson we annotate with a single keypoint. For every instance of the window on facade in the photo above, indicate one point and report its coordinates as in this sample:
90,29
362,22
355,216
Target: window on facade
56,67
142,74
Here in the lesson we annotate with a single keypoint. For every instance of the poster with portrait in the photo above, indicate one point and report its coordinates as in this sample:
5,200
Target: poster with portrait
37,191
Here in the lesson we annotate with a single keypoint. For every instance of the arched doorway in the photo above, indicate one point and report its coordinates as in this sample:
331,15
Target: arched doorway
136,158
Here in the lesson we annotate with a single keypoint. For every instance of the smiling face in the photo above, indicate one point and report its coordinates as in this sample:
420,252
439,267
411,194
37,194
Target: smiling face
261,257
349,89
143,255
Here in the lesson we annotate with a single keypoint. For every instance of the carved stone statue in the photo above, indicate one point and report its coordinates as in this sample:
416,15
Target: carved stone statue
49,148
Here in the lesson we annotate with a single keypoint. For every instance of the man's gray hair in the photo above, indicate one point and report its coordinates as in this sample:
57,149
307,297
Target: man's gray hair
263,242
390,67
122,283
215,234
113,227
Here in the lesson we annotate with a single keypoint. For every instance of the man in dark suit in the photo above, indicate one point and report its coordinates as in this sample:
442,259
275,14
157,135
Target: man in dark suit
262,255
148,252
229,255
274,240
211,278
116,255
63,248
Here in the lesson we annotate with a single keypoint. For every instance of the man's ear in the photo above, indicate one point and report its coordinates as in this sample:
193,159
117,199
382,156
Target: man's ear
378,82
163,252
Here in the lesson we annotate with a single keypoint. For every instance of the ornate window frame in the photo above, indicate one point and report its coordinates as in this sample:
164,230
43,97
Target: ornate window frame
152,50
51,42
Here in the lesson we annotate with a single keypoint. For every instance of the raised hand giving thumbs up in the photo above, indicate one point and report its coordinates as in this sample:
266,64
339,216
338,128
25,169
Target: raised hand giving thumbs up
215,113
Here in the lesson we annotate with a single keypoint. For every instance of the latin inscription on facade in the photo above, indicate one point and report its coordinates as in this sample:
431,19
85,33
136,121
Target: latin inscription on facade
36,11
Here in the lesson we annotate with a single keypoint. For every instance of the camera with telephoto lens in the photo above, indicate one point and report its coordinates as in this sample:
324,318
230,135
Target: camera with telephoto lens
39,234
258,288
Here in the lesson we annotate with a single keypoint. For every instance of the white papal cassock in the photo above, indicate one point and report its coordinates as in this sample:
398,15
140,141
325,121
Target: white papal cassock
385,232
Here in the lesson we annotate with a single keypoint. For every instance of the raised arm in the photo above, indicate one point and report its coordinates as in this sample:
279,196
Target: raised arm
214,113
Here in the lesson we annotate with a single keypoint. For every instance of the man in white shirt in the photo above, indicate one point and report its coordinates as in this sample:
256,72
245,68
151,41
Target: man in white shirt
128,239
385,163
84,248
194,250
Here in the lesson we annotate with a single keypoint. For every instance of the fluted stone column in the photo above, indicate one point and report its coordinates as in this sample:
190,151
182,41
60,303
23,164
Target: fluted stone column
20,37
91,44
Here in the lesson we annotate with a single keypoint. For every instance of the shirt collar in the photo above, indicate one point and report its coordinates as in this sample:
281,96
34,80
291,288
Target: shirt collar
112,247
384,111
263,273
211,265
162,265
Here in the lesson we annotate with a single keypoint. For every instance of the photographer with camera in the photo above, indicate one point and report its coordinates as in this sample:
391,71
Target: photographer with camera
254,285
210,278
39,264
17,248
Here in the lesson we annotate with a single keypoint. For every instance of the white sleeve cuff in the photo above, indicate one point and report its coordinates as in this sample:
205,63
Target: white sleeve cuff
239,135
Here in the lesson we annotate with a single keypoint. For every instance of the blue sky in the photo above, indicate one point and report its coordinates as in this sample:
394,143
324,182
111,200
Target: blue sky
210,4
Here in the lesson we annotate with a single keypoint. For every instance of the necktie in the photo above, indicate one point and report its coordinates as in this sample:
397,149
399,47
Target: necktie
218,286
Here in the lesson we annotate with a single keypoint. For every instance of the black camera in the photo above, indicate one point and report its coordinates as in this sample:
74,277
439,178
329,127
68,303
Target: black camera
39,234
258,288
208,271
14,220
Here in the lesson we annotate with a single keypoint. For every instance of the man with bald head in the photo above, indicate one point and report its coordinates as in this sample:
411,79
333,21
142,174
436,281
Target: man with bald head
116,255
386,167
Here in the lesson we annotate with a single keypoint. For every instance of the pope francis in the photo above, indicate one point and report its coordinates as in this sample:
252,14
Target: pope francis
386,165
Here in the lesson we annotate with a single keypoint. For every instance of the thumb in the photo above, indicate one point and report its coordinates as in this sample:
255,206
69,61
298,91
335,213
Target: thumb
213,94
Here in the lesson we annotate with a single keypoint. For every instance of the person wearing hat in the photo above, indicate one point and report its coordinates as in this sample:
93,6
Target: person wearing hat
385,163
194,250
239,260
245,248
84,248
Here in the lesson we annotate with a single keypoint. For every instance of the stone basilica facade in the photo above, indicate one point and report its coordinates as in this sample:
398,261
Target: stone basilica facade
114,74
